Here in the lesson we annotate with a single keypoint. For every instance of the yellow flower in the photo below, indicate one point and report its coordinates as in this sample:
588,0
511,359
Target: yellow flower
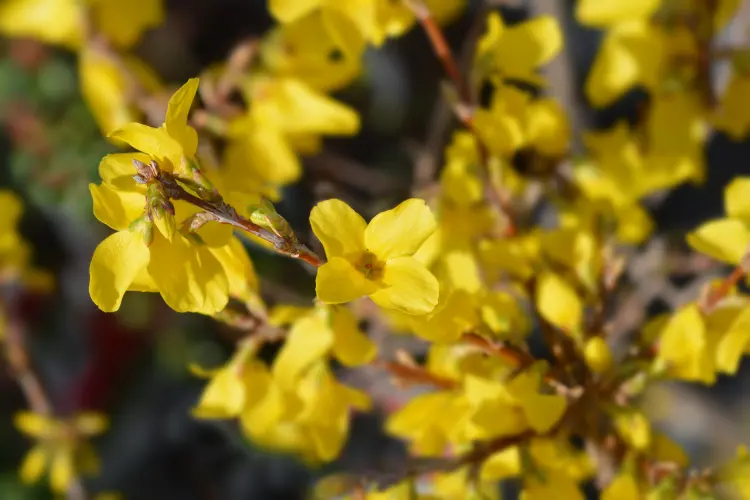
552,484
312,337
371,20
519,399
559,303
263,142
727,239
62,22
304,49
232,386
193,272
61,447
15,253
516,52
375,259
310,419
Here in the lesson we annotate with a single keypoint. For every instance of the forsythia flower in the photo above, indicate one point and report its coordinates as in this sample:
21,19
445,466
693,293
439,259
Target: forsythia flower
375,259
316,333
516,52
727,239
61,446
371,20
62,22
191,272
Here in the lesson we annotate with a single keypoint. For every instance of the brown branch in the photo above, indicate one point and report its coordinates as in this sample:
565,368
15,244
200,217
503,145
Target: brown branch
23,372
465,109
415,375
722,290
224,213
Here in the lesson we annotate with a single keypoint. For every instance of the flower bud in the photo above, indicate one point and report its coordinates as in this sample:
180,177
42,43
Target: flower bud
265,216
598,355
145,227
161,207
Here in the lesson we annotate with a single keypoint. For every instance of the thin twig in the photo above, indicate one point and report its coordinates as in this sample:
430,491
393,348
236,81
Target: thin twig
465,109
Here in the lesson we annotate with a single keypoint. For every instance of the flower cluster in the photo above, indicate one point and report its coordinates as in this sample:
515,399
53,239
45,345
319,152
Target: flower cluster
469,269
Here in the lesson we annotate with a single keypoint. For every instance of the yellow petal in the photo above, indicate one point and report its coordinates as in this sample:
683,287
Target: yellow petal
310,339
237,266
33,465
598,13
61,470
723,239
634,428
340,229
177,116
33,424
400,231
223,396
629,55
189,277
118,170
350,346
90,423
103,86
114,266
684,346
57,22
558,302
286,11
123,22
338,282
152,141
502,465
527,46
733,343
116,208
282,315
261,152
300,109
542,411
409,287
737,198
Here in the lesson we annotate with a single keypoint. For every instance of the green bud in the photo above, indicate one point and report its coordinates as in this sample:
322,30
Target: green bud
145,227
265,215
161,209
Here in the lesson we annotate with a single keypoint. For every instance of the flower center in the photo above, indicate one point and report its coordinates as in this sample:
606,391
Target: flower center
370,266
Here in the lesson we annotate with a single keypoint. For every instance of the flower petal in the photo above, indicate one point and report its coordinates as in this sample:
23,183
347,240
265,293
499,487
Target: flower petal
737,198
117,170
411,288
340,229
177,116
237,266
59,22
32,424
338,282
33,464
123,22
600,14
559,303
189,277
116,208
155,142
286,11
309,340
350,346
61,470
401,230
116,262
90,423
723,239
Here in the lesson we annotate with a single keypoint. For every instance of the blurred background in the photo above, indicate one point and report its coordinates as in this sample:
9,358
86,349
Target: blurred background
132,364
